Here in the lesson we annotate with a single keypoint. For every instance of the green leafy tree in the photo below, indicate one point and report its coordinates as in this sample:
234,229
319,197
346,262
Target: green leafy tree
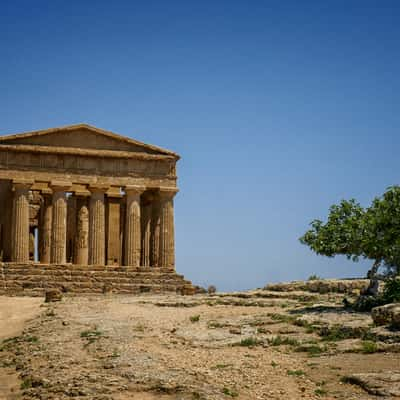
356,232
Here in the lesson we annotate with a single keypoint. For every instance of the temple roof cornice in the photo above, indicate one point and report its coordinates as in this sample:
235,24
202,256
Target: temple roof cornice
84,152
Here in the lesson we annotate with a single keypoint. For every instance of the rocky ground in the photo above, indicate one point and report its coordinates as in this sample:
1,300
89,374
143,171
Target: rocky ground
262,344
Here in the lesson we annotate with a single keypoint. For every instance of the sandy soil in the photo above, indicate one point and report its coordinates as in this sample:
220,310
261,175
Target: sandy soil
245,346
14,313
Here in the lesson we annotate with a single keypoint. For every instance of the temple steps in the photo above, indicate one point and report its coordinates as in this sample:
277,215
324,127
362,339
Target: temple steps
33,279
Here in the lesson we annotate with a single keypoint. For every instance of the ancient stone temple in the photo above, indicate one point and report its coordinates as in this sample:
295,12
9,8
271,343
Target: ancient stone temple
86,210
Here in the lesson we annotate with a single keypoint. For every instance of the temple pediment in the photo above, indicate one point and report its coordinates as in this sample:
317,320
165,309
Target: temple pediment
85,137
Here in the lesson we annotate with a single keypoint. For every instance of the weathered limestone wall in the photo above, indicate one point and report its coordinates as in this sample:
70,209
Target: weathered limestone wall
321,285
34,280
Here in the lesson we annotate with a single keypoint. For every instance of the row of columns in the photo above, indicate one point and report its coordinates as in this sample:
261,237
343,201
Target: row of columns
149,238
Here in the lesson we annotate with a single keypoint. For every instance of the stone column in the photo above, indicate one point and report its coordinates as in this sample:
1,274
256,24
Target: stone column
155,232
8,223
146,230
97,229
45,227
122,215
20,231
82,232
71,227
132,226
59,223
167,231
113,222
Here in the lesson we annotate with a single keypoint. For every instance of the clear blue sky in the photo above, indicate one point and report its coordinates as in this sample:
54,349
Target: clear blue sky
278,108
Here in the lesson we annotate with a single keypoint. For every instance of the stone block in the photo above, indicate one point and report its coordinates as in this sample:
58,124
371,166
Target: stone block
389,314
53,295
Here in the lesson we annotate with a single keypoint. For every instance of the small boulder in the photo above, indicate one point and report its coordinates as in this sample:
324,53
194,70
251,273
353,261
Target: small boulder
385,384
389,314
107,288
53,295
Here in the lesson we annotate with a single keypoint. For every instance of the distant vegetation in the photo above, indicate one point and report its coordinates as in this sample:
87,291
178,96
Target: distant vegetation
211,289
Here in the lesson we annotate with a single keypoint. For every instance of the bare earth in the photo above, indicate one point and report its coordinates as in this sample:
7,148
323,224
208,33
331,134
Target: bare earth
14,312
250,345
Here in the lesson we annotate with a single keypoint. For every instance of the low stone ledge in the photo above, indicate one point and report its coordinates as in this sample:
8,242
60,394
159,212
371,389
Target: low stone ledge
34,279
321,286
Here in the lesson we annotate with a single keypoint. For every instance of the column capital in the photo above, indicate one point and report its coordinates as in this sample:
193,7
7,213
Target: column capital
132,189
46,191
98,188
82,193
22,183
166,192
114,192
60,186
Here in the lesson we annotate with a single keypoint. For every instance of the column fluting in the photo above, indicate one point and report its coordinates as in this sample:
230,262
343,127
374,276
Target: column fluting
59,226
20,230
132,226
146,234
167,230
97,232
45,228
82,234
155,232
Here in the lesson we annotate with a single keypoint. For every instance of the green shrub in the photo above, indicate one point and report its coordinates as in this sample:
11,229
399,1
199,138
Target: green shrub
368,347
31,339
314,277
391,292
195,318
222,366
367,303
296,372
312,350
320,392
26,384
279,341
248,342
90,333
282,318
230,392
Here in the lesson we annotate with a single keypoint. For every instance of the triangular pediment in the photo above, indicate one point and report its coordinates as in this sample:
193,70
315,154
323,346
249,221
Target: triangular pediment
83,136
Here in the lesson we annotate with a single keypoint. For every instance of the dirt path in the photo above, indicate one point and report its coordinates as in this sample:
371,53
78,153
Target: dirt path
14,313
